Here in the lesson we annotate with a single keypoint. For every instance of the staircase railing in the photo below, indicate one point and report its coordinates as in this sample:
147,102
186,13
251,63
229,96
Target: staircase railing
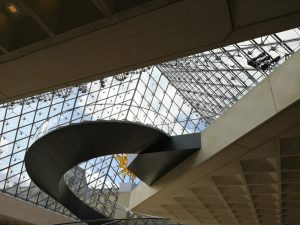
128,221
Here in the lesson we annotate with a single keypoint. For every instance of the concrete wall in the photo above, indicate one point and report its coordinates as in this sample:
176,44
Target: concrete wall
123,199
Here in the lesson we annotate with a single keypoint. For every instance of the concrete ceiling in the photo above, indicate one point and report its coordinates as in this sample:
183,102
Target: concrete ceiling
261,187
248,169
68,42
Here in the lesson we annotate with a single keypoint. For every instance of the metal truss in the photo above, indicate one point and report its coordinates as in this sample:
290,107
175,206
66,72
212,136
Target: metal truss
213,81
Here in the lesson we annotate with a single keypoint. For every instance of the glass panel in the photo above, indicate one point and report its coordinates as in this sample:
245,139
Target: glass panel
180,96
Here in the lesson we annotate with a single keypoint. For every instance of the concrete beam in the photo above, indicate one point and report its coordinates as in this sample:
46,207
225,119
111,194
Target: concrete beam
264,113
19,210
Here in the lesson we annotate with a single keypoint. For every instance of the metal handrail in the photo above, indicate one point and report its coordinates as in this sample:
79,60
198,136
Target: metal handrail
55,122
130,215
110,221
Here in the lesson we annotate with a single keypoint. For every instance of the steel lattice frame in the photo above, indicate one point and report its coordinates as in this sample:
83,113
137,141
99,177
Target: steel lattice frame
180,96
135,98
213,81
